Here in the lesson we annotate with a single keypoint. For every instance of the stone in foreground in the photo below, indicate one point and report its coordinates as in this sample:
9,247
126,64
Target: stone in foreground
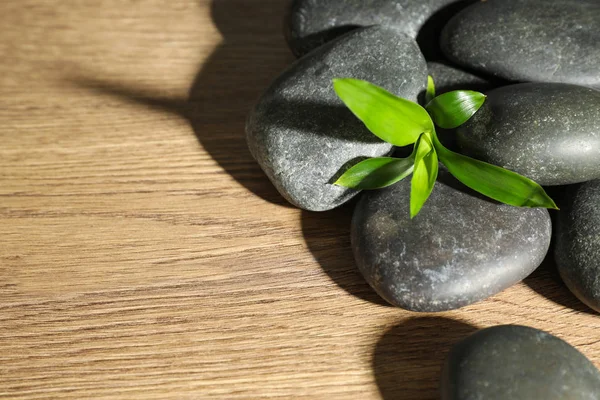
459,249
518,363
549,132
301,133
528,40
577,249
311,23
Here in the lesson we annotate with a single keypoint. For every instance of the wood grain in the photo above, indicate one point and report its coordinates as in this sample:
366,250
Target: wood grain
145,255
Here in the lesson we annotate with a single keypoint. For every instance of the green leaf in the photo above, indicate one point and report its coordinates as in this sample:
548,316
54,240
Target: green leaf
452,109
424,174
492,181
430,94
391,118
376,173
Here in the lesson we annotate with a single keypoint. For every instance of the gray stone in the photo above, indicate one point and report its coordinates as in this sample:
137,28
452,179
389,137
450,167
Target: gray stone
301,133
461,248
549,132
518,363
312,23
448,78
528,40
577,249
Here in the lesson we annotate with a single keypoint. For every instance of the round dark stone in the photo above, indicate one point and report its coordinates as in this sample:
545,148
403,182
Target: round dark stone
461,248
549,132
311,23
577,249
301,133
518,363
528,40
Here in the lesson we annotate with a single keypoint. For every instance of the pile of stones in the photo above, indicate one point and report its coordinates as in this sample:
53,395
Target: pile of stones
538,61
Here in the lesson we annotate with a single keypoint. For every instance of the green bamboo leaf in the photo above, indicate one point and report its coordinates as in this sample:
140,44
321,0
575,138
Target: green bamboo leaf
451,110
430,94
424,174
376,173
397,121
492,181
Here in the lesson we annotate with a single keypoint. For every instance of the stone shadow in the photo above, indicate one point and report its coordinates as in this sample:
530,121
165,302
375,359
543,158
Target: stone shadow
327,235
409,358
252,53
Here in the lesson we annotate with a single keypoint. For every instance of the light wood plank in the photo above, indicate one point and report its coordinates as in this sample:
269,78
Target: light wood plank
145,255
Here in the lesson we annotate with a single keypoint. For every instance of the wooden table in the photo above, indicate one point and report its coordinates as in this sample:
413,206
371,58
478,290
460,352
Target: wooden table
143,252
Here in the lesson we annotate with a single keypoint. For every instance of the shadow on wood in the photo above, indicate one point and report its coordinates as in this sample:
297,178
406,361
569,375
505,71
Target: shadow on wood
327,235
252,53
408,359
547,282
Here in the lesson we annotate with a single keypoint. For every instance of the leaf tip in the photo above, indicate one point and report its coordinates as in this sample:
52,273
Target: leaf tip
339,182
414,209
548,202
430,91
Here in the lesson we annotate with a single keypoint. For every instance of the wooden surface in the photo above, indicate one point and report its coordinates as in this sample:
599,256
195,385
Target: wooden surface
144,254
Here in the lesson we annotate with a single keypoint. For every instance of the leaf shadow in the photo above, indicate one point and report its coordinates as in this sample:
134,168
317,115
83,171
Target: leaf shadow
225,88
408,359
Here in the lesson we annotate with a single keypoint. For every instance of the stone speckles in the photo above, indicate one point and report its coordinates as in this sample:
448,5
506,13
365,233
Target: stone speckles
301,133
311,23
549,132
528,40
460,248
518,363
